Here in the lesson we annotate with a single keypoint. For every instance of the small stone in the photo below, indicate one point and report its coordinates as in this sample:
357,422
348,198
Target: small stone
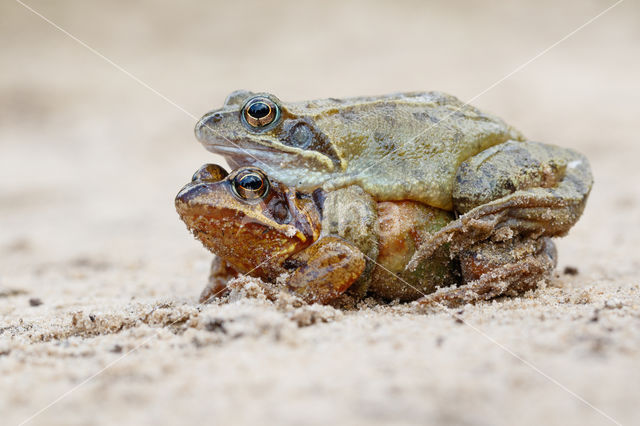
35,301
613,304
4,350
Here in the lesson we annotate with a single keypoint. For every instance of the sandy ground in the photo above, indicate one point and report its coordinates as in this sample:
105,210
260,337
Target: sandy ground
99,322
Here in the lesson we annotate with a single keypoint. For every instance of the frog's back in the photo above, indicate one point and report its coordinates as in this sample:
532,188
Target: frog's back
408,145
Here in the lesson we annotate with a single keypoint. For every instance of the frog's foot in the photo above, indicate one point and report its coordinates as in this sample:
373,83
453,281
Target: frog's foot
219,275
492,269
516,188
324,270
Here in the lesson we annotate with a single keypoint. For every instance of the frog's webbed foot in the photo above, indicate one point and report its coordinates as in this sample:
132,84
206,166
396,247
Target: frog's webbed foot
516,188
324,270
492,269
221,272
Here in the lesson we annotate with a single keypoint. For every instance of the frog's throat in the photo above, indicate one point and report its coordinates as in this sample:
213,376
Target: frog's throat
202,219
271,157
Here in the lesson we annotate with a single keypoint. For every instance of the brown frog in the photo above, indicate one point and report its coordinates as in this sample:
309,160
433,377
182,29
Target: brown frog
425,147
260,227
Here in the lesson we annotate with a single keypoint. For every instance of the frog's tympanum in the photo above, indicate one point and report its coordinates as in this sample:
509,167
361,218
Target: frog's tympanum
263,228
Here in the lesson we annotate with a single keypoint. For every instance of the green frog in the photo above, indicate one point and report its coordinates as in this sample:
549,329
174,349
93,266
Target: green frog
427,147
263,228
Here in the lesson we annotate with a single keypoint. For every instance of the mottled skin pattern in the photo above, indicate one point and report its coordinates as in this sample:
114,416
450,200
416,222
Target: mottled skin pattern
424,147
283,238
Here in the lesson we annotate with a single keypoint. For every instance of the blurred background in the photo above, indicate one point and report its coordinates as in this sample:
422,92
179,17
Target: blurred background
90,158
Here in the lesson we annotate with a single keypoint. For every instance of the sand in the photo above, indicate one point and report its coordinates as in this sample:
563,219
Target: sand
99,321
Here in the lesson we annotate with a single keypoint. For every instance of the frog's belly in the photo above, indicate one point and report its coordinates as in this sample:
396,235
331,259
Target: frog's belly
403,225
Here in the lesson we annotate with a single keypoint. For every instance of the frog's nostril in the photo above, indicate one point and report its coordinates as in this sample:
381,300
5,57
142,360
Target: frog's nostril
182,197
207,123
190,192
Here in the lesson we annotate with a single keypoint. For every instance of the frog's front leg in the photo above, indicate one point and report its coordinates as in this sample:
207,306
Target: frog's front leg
491,269
317,274
324,270
220,273
351,214
515,188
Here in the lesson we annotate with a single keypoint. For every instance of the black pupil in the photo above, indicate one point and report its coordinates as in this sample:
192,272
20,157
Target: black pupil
251,182
259,110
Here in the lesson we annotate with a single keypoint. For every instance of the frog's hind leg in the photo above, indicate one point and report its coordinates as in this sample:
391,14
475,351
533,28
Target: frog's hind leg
492,269
221,272
525,176
515,188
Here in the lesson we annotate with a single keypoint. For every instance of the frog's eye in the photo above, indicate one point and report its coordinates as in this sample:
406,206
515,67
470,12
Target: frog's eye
260,112
250,184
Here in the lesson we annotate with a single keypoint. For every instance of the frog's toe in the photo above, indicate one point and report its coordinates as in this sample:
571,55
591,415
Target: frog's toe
213,290
220,273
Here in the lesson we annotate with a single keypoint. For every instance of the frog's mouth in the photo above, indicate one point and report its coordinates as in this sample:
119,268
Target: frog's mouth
238,156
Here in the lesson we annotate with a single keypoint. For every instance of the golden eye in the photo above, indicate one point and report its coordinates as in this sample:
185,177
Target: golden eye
251,184
260,112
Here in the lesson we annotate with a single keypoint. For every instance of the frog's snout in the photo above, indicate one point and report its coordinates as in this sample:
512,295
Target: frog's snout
190,192
207,125
204,181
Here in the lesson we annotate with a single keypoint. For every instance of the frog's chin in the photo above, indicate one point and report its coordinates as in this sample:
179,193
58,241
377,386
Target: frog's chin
275,163
240,156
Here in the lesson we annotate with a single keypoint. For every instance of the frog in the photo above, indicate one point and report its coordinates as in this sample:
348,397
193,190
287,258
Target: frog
427,147
260,227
